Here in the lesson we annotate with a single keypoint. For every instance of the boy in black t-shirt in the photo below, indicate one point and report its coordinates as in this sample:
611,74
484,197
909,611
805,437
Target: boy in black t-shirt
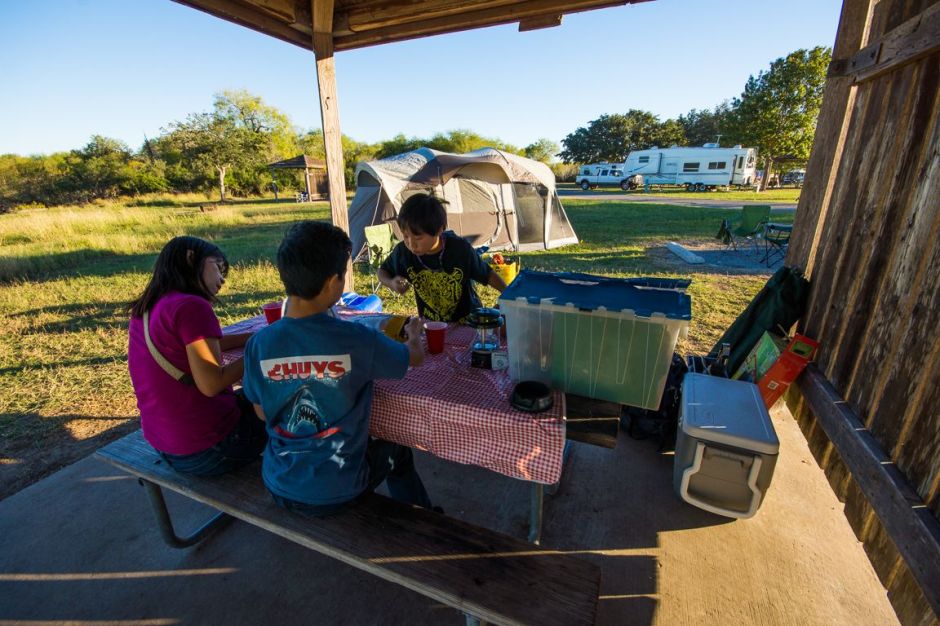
440,265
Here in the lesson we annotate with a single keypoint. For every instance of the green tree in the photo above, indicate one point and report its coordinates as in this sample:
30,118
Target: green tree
238,138
542,150
353,151
707,126
98,170
613,137
778,109
208,141
459,141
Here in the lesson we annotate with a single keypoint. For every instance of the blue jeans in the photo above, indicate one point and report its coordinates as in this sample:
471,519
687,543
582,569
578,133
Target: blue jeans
391,462
240,447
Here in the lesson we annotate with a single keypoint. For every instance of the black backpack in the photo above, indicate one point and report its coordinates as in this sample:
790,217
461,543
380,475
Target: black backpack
661,424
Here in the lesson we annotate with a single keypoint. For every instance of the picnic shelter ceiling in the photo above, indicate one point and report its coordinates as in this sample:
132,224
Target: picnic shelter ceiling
361,23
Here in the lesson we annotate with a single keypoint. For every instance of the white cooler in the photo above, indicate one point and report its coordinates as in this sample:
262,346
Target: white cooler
726,447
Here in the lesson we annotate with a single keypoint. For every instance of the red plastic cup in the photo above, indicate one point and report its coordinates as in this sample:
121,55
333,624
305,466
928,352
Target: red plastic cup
272,311
435,331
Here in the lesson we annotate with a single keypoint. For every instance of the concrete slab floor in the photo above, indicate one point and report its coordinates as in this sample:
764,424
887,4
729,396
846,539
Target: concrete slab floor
81,547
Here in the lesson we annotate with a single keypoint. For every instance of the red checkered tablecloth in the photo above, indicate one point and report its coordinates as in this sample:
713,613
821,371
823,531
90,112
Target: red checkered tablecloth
461,413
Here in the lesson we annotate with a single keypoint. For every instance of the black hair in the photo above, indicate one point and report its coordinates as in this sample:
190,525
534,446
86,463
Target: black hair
310,253
174,270
423,213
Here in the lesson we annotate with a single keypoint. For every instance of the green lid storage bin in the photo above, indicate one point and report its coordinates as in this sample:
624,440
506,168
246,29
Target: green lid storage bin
598,337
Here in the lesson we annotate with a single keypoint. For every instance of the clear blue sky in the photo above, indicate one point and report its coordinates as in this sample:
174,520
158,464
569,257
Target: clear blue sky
127,68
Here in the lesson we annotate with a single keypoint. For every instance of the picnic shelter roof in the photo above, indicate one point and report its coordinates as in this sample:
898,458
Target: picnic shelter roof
361,23
301,162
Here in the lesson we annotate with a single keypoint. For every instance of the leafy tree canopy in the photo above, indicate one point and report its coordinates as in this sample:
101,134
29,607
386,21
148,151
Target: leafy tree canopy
777,111
459,141
613,137
542,150
708,126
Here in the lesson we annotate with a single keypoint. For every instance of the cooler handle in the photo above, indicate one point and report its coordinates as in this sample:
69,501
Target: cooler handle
751,483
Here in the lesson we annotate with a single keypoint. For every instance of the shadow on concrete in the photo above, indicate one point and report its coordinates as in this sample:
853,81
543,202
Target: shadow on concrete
27,460
82,545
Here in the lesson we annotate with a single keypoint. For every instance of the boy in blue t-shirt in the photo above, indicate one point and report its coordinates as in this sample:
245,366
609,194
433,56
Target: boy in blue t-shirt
440,265
310,375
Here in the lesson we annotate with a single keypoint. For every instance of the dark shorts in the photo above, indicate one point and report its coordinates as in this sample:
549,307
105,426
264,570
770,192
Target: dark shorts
243,445
387,461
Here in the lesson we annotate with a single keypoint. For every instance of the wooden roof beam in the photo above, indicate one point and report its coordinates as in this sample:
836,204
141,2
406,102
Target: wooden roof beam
391,13
465,21
536,23
250,17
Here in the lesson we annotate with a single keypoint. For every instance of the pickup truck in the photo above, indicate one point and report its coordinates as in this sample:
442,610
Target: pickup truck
593,176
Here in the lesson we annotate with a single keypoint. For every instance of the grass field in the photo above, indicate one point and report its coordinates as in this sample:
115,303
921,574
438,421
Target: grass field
787,194
66,276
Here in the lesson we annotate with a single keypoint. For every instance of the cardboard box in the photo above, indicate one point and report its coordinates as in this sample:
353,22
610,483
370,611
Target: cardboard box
785,370
774,362
761,358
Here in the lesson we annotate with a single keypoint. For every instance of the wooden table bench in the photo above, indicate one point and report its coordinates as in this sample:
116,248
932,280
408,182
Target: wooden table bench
487,575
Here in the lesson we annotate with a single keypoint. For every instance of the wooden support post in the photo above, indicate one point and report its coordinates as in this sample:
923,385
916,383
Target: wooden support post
834,118
322,11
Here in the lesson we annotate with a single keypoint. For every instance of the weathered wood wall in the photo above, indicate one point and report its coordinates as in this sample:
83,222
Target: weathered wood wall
867,230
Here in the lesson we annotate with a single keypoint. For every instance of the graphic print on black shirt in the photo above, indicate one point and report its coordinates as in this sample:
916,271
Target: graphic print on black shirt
443,283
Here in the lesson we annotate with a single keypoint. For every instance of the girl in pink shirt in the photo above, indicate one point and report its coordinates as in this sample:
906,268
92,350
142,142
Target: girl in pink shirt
188,411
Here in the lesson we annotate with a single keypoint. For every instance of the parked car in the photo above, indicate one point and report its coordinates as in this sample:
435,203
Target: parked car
592,176
793,177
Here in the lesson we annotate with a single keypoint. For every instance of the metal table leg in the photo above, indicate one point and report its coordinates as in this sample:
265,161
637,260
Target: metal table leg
165,524
535,515
538,497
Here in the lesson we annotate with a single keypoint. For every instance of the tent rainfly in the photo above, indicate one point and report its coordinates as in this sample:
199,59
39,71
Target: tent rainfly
493,198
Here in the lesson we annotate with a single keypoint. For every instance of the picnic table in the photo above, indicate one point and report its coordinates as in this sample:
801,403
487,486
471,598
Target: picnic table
461,413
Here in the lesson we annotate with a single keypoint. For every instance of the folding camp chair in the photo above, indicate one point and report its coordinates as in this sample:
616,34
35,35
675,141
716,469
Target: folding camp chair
749,224
380,241
776,239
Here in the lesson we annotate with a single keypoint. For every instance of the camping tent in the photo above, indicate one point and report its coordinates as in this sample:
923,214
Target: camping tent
494,198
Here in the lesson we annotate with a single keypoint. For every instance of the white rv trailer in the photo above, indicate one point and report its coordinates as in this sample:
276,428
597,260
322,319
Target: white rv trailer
697,168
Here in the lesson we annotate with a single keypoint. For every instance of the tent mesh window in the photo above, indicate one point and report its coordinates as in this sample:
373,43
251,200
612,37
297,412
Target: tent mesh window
530,212
560,227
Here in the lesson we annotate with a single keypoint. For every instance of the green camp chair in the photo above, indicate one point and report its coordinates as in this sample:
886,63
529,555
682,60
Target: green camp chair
749,224
380,242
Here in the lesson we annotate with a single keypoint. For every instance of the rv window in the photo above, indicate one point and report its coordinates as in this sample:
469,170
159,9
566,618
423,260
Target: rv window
644,159
616,173
750,161
740,162
586,171
605,172
690,167
716,165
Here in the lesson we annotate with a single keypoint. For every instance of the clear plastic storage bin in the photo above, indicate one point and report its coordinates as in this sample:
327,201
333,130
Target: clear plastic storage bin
598,337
